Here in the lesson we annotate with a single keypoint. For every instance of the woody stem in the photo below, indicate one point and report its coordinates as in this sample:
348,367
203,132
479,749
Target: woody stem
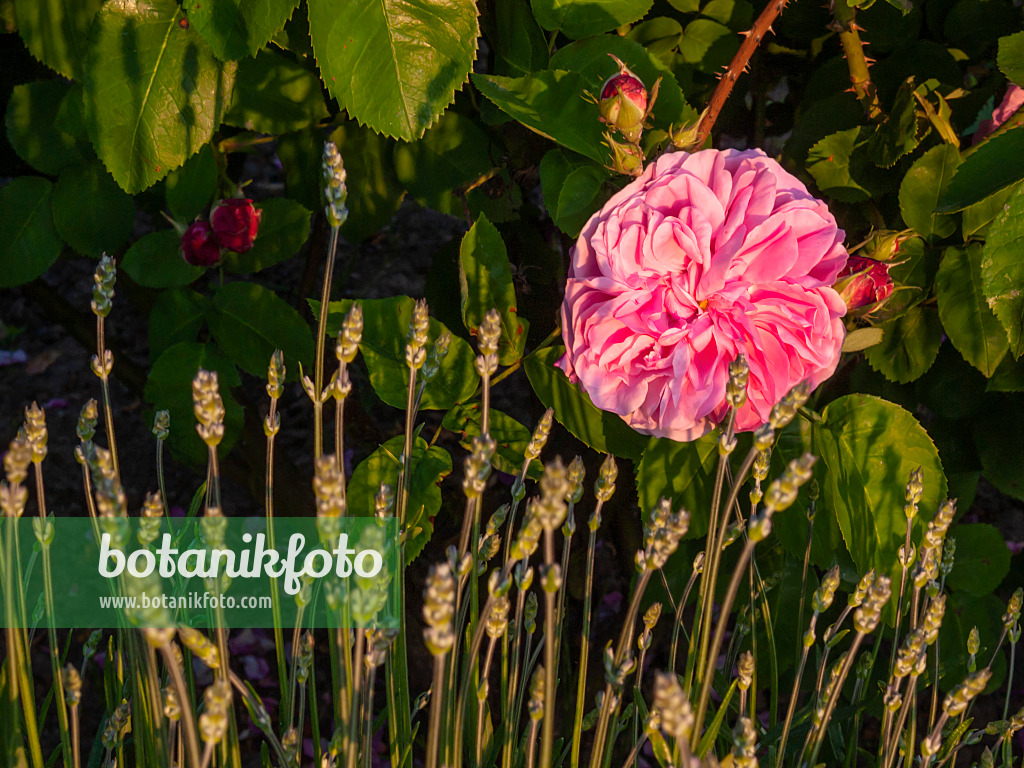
732,72
856,61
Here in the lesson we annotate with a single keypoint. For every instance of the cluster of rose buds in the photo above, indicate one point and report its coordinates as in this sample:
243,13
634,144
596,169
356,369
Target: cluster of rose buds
233,226
625,107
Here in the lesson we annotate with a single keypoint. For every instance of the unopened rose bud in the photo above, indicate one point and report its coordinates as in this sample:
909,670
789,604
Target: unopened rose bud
864,284
623,103
627,159
235,223
199,247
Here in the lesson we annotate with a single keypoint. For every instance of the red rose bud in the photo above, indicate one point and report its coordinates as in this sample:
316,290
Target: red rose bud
235,223
864,283
199,247
623,103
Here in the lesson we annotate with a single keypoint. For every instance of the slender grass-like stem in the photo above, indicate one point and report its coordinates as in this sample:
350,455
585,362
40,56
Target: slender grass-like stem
51,629
581,680
531,745
76,745
188,722
436,696
271,426
794,696
1009,677
102,354
678,618
547,739
510,720
321,338
356,693
818,734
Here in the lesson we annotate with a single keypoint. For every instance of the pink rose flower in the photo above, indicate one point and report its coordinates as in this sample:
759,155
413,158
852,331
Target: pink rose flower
703,257
1012,101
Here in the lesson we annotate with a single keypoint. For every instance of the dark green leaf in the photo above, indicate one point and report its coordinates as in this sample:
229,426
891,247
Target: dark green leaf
29,243
374,193
236,29
57,32
909,345
869,447
603,431
580,197
91,213
510,437
284,228
274,94
394,65
177,316
33,130
1009,376
977,217
1011,57
923,186
518,41
190,188
966,317
155,261
590,59
735,14
169,387
708,45
453,153
154,92
485,282
1000,443
582,18
385,328
300,155
550,102
660,36
997,163
249,322
681,472
896,136
841,168
1002,271
430,465
555,167
982,559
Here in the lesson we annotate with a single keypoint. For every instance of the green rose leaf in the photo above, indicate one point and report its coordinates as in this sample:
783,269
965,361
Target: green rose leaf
923,187
485,282
1001,446
385,328
169,387
869,447
394,65
452,154
249,322
582,18
897,135
966,317
1011,57
430,465
681,472
33,130
374,193
236,29
994,165
510,437
1009,376
57,32
551,103
275,95
29,243
155,261
284,228
177,316
580,196
91,213
603,431
154,91
1002,271
977,217
841,168
982,558
708,45
660,36
518,40
555,168
190,189
909,345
